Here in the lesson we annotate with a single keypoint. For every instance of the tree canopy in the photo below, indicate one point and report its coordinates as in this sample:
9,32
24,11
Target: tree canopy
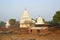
2,24
12,21
56,17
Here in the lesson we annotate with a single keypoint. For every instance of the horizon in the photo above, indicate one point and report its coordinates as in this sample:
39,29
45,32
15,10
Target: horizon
15,8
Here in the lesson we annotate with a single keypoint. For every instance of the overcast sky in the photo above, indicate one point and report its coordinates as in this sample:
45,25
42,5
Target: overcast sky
15,8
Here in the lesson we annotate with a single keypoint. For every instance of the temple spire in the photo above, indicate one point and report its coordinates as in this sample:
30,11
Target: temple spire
25,16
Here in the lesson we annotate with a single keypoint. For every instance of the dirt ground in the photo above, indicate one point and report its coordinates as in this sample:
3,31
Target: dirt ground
51,36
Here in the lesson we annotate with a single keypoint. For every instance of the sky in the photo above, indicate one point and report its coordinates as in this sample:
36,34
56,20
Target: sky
15,8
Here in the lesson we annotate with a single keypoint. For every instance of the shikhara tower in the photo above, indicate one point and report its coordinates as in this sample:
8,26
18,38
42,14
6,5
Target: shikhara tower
25,17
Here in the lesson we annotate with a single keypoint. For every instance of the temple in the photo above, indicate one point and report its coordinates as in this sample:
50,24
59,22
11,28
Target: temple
27,25
24,19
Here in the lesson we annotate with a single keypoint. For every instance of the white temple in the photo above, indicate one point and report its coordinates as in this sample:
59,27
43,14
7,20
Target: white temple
40,20
7,24
24,19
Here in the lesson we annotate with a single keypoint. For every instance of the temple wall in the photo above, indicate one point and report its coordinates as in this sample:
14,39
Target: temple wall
38,31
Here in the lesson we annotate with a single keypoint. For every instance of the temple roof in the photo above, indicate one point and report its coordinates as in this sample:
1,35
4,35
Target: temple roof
40,20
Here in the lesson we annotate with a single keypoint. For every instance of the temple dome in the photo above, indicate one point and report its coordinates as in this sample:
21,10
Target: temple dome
40,20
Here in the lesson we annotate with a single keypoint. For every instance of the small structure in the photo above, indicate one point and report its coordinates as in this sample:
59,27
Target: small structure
7,24
38,30
39,21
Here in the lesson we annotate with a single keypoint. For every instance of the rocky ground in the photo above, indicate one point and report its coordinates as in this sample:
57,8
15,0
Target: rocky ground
51,36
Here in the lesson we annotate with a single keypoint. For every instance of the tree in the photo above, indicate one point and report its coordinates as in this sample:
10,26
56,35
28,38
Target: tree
2,24
52,23
56,18
12,21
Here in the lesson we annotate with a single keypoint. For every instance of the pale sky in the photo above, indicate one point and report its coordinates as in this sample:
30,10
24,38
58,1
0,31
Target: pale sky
15,8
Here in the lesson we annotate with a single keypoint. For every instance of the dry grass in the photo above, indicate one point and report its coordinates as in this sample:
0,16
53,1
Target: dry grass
52,36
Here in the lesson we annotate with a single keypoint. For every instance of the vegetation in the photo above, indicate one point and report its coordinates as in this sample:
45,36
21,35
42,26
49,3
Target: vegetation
2,24
56,18
12,21
52,23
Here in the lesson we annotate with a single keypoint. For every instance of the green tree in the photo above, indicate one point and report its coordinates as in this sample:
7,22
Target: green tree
52,23
12,21
2,24
56,18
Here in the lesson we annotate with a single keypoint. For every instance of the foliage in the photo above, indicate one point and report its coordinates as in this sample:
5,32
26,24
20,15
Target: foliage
12,21
52,23
2,24
56,17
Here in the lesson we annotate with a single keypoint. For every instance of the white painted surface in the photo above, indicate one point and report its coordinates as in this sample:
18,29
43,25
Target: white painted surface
7,24
40,20
25,17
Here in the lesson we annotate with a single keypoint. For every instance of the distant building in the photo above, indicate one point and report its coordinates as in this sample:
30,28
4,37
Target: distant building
7,24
